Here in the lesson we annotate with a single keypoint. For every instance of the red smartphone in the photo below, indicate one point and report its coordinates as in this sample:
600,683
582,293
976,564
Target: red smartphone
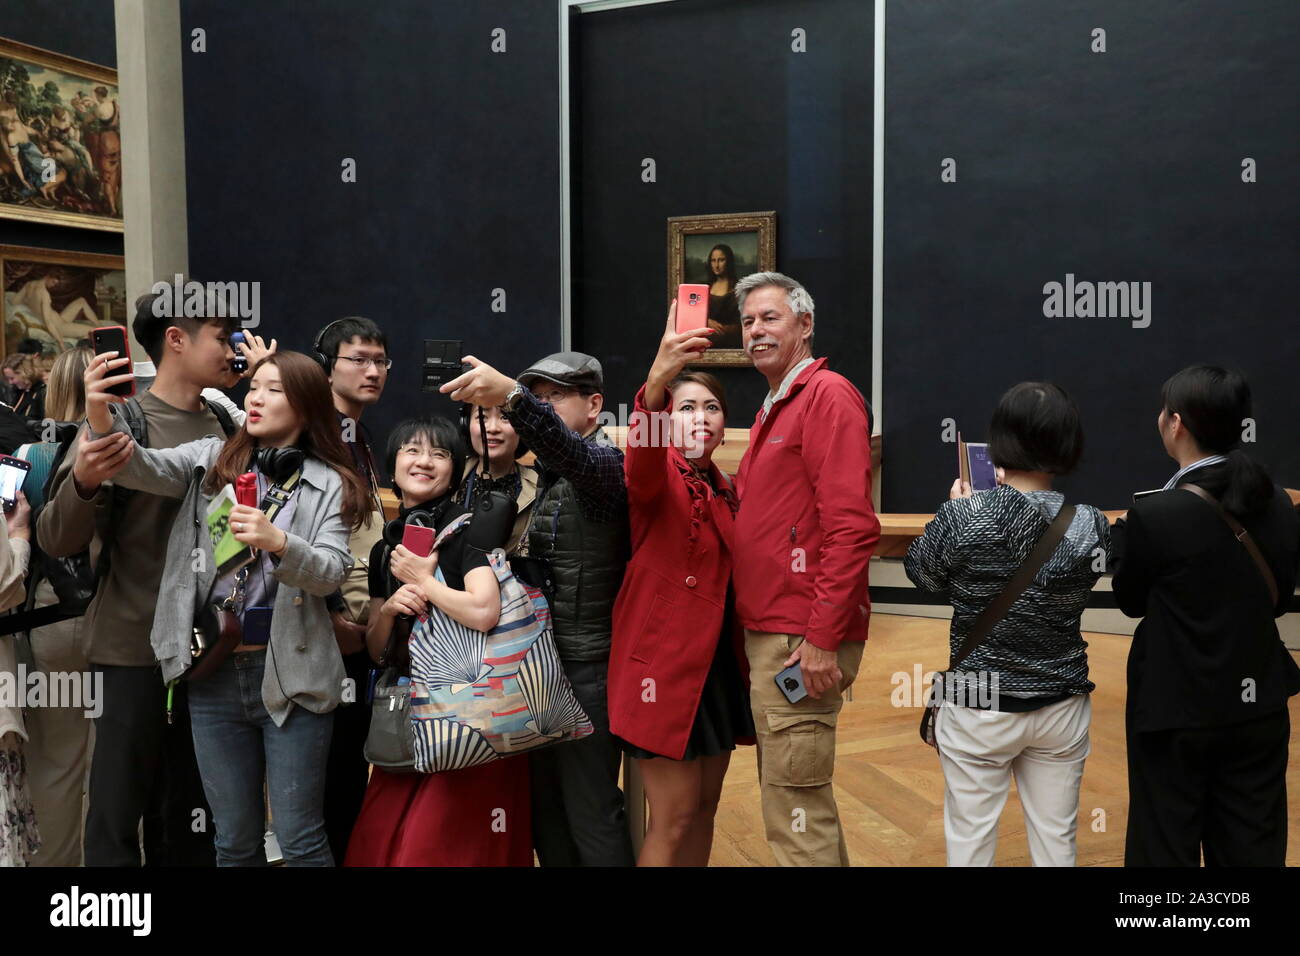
246,489
113,338
692,307
418,540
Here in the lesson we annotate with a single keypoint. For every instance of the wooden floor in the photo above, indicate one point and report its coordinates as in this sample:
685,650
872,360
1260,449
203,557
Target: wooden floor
889,786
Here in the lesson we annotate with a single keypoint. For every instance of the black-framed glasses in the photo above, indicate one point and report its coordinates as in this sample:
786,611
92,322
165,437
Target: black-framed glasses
362,363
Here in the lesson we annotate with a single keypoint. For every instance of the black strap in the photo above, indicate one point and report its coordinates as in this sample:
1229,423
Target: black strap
1241,534
999,606
31,620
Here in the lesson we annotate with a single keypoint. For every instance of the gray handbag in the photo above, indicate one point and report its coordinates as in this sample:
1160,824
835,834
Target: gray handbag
390,742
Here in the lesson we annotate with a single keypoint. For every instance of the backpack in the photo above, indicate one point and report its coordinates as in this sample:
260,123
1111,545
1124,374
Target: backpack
74,578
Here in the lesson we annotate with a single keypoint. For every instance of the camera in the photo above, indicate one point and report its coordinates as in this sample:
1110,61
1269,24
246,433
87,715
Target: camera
441,363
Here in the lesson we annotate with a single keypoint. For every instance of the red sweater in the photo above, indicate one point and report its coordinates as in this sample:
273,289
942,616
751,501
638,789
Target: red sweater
806,527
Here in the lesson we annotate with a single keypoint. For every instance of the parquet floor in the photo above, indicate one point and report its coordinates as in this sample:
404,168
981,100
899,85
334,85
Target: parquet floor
889,786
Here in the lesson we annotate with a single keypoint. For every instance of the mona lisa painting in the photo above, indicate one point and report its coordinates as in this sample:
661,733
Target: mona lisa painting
718,251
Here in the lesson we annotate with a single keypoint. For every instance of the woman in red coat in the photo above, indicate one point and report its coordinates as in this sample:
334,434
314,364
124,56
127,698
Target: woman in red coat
677,695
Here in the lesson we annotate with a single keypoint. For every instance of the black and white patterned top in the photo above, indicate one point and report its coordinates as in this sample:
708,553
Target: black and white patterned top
971,550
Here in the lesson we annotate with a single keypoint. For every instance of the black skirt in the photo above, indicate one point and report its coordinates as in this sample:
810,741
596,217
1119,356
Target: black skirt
723,714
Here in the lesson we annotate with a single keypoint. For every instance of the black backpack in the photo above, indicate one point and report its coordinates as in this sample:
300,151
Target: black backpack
74,578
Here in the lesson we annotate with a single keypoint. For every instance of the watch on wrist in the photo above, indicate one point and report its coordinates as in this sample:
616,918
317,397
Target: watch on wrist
512,400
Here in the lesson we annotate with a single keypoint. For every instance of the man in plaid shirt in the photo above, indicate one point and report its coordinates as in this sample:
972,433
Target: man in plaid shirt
579,527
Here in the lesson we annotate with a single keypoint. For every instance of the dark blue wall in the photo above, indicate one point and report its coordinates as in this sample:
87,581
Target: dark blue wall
1123,165
457,189
736,121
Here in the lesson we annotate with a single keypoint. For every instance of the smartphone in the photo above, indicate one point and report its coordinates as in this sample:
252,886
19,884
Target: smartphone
692,307
112,338
240,364
418,540
13,472
790,683
257,625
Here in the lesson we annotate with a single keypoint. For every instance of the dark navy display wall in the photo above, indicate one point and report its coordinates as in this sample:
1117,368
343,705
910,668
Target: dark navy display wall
1116,166
79,28
457,172
736,121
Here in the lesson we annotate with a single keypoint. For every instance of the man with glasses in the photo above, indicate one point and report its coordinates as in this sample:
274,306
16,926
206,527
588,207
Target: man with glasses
579,526
354,353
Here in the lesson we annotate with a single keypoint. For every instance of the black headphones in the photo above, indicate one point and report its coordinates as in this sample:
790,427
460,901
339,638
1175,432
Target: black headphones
326,361
278,464
420,517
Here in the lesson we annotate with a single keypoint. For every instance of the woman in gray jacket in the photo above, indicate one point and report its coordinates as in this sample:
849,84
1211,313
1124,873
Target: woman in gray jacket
264,714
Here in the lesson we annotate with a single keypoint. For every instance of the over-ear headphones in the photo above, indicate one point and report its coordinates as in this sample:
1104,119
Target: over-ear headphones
278,464
326,361
420,517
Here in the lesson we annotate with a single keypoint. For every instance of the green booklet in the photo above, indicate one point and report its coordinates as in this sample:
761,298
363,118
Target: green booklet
230,554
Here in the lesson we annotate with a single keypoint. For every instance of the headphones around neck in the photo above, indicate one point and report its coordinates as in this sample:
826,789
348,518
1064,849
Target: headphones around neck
278,464
420,517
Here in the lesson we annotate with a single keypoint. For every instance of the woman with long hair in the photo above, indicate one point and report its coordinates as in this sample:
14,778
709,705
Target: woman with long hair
265,712
1208,564
677,699
65,397
724,311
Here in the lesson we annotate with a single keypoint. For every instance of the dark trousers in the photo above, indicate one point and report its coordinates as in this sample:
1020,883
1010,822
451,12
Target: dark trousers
578,815
144,768
347,772
1221,789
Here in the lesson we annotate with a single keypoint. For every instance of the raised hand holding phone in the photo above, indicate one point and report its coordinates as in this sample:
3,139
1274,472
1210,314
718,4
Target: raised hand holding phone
676,349
103,374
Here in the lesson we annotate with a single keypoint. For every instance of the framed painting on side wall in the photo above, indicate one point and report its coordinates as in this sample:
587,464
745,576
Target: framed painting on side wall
60,129
57,297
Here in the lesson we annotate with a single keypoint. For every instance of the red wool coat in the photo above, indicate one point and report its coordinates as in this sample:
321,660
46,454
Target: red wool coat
670,609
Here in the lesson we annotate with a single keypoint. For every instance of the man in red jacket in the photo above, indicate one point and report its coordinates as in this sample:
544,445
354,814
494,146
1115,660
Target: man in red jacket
803,539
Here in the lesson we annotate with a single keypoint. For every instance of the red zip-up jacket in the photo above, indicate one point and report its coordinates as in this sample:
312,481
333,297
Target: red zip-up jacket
806,527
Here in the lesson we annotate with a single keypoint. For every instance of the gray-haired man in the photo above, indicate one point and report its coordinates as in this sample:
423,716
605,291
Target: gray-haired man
804,536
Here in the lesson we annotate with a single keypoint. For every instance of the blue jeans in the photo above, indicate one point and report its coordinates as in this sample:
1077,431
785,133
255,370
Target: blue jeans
238,746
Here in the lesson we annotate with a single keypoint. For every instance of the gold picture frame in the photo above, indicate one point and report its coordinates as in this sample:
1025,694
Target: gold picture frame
695,241
65,167
57,296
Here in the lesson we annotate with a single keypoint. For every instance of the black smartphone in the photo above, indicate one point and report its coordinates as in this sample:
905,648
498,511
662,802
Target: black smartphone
13,472
257,625
112,338
790,682
240,364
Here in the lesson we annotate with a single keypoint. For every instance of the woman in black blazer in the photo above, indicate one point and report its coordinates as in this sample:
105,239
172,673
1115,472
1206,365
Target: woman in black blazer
1208,677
